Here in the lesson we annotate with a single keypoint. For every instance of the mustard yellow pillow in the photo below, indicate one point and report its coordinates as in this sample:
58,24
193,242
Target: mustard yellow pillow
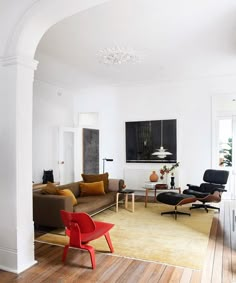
92,189
88,178
50,189
68,193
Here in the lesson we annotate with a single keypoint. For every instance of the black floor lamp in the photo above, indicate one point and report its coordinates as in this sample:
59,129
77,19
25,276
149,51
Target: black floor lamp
105,159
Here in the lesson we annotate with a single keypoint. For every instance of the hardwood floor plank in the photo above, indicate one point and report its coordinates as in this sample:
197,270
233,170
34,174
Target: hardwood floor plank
186,276
196,277
218,258
233,239
134,268
76,265
116,269
103,268
208,266
7,277
157,273
177,275
227,262
167,274
40,270
150,272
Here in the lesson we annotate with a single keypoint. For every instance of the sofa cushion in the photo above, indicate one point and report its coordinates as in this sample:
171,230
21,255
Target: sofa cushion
50,189
67,192
96,178
74,187
94,204
92,189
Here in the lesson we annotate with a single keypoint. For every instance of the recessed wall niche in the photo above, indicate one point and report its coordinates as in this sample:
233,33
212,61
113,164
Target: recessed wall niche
143,138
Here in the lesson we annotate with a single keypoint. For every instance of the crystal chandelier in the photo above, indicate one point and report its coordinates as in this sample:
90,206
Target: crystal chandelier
117,56
161,152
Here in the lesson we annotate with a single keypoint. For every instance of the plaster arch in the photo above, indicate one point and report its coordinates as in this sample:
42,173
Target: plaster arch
37,18
17,67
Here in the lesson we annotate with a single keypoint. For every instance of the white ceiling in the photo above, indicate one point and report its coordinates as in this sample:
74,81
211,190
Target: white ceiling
174,39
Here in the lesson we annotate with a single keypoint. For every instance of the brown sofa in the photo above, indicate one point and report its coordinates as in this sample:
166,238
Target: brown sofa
46,207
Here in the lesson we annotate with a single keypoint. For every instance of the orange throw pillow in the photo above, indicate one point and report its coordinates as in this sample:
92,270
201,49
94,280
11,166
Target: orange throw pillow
50,189
66,193
96,178
92,189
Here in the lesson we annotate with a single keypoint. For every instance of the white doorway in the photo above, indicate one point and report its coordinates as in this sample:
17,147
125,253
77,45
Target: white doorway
68,152
226,132
224,140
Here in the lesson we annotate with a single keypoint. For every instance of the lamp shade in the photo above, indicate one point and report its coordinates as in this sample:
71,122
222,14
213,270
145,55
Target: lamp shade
161,152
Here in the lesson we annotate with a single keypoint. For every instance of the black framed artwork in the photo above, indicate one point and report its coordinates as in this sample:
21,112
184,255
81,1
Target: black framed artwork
144,140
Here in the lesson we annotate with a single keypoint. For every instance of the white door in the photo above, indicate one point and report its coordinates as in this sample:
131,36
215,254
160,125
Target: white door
226,155
67,155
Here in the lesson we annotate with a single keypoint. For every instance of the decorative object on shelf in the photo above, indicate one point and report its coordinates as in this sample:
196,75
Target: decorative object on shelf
161,152
117,55
172,182
48,176
153,177
166,170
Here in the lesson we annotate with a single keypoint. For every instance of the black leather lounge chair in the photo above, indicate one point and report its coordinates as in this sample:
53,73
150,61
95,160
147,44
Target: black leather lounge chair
209,191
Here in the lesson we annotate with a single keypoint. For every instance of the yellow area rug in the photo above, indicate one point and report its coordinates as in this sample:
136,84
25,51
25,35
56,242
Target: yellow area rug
147,235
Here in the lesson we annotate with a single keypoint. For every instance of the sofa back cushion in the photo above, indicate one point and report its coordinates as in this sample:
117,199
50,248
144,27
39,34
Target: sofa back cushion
74,187
49,189
89,178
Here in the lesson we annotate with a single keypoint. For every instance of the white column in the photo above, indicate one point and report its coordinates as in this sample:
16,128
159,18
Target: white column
16,228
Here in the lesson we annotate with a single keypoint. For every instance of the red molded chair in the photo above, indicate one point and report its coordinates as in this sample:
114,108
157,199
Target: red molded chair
81,229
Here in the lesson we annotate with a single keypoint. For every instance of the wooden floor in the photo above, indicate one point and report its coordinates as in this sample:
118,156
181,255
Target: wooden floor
220,262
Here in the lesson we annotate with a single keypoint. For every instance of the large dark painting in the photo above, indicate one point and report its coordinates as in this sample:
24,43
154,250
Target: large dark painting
144,139
90,151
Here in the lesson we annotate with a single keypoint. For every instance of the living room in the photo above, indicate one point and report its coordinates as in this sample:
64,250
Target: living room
60,94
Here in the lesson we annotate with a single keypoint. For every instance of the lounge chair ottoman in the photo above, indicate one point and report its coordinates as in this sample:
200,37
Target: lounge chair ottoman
176,199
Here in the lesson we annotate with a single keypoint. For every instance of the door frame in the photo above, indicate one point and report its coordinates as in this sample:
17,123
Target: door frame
74,131
218,114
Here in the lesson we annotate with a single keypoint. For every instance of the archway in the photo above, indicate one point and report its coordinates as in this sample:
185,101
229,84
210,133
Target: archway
17,67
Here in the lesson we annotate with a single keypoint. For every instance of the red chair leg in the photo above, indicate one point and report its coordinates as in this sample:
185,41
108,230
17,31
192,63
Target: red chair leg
108,239
65,253
91,251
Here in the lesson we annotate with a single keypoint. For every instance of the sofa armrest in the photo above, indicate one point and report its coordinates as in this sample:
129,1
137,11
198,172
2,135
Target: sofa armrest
46,209
115,185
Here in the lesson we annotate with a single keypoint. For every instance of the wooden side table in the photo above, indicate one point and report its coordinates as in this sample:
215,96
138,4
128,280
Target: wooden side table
126,193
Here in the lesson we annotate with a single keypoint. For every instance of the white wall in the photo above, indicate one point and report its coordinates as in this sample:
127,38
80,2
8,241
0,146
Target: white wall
188,101
52,108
